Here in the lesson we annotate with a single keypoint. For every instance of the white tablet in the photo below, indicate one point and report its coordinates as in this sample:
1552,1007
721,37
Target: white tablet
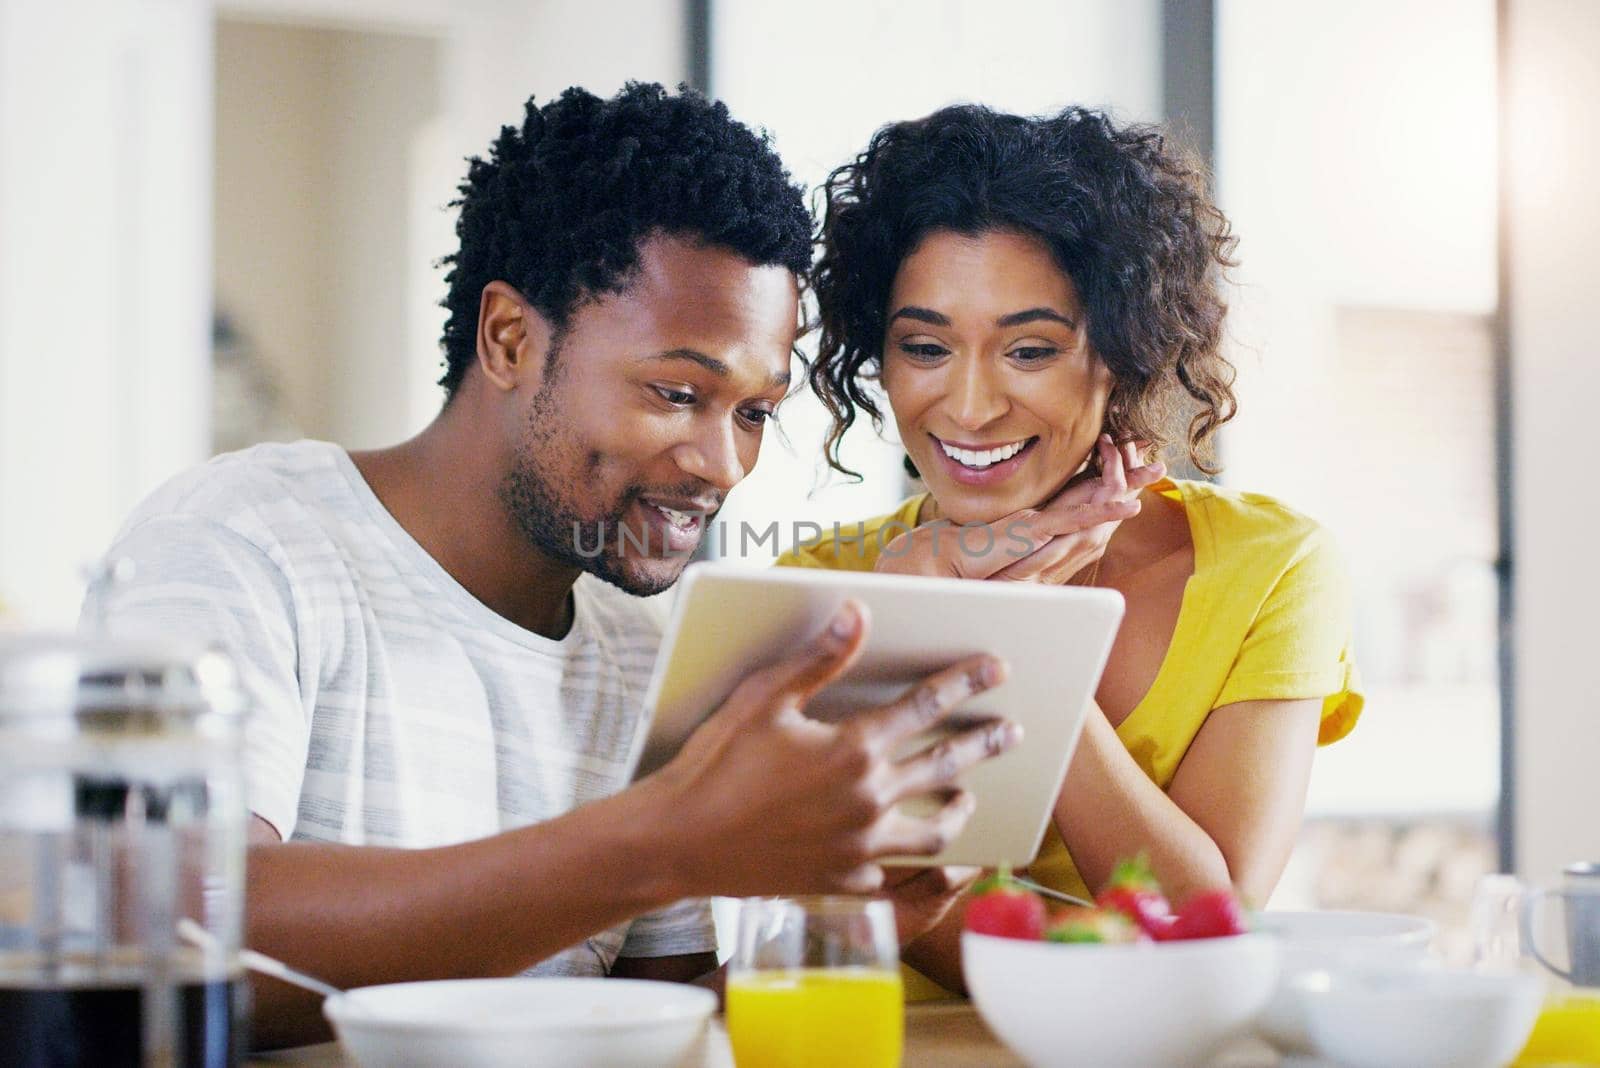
729,620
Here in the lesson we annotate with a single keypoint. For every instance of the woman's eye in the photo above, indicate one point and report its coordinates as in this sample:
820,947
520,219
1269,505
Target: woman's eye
674,396
1032,353
923,350
758,416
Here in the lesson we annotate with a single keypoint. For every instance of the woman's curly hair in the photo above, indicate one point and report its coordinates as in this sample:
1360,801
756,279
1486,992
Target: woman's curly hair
1126,216
561,204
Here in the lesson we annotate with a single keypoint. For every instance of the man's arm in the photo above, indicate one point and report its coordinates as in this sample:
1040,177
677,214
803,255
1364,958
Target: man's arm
680,968
761,800
358,915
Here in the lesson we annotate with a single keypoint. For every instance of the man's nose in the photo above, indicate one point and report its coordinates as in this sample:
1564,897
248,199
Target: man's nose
713,455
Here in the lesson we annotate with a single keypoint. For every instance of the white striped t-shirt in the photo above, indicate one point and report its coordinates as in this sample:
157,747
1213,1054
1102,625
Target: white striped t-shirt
391,707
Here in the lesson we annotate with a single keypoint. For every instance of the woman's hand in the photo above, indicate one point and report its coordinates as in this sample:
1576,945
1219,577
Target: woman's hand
1048,544
1122,479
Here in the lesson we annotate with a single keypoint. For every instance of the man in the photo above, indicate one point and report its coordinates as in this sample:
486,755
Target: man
445,701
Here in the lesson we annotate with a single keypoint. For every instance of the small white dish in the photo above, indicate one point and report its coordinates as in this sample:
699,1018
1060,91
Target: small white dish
522,1023
1418,1018
1135,1005
1321,940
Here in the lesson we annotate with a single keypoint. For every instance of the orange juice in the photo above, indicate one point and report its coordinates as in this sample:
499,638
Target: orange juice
816,1018
1567,1032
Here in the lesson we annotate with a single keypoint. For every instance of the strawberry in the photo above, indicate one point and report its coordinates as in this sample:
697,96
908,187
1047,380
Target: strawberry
1133,891
1212,914
1000,907
1078,924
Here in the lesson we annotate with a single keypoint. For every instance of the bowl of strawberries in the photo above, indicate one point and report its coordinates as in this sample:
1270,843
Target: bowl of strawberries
1133,980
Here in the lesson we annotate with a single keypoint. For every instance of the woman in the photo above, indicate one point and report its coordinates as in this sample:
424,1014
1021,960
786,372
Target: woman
1038,300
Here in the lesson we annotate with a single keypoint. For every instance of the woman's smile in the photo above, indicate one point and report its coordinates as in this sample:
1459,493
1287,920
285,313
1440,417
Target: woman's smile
984,465
998,396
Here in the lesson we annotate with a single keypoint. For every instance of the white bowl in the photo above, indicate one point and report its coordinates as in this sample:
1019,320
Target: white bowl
1323,940
1419,1018
512,1023
1169,1003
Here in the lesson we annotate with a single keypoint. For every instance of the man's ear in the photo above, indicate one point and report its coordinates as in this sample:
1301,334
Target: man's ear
513,338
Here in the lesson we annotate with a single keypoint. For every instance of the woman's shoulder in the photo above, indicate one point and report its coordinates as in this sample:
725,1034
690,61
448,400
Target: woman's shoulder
1249,527
854,546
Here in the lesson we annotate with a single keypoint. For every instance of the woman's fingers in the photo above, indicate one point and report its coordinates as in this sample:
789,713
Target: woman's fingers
1029,536
1113,475
1063,556
1141,478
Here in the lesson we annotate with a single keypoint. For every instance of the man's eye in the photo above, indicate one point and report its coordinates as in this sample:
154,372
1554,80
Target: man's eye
923,351
674,396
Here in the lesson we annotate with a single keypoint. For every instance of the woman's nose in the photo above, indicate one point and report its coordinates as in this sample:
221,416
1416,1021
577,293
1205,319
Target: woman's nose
974,401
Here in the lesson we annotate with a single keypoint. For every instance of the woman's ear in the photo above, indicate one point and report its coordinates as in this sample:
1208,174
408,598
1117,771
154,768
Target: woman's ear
513,338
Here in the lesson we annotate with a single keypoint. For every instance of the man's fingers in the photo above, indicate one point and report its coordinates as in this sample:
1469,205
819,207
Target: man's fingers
906,836
794,680
866,879
931,701
918,883
939,766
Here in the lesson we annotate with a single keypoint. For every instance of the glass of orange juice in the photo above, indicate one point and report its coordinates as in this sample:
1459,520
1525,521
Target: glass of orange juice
814,982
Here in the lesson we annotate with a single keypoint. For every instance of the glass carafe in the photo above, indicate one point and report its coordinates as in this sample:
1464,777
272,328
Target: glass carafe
121,814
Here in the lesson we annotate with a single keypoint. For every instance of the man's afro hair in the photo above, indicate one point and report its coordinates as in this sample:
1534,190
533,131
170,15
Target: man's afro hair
560,206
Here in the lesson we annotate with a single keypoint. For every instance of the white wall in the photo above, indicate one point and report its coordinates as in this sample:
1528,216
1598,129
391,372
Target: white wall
315,183
1355,157
104,277
105,233
1554,226
271,208
824,82
340,142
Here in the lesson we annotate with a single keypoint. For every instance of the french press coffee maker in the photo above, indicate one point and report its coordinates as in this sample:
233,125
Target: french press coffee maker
121,815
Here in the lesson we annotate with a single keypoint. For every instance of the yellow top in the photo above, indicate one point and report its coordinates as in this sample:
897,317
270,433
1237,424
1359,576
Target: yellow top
1265,616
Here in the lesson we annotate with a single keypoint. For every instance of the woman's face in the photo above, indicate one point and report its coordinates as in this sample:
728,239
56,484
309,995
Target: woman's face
987,366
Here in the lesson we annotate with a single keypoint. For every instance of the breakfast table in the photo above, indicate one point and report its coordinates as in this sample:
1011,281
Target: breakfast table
938,1035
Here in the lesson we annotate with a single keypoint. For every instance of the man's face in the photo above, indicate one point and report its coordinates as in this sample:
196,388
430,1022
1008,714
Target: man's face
653,411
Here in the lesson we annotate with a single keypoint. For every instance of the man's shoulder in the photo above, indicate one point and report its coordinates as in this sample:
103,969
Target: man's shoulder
251,491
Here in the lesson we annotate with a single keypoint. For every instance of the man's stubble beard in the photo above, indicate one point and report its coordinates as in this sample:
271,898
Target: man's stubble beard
552,525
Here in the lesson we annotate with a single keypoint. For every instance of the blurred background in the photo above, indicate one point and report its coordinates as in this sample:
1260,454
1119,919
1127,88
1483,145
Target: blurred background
219,224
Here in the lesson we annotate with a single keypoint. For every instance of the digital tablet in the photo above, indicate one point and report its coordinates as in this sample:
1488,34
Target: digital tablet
728,621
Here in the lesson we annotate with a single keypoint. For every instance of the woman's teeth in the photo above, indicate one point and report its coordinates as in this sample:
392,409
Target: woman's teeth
982,458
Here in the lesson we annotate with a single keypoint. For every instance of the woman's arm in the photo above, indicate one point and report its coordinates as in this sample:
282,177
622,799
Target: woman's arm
1230,816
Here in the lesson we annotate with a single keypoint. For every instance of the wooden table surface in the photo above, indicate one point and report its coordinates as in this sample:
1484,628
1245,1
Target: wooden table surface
938,1035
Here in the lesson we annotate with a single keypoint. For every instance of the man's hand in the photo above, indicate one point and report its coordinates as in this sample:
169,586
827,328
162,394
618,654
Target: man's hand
765,800
922,896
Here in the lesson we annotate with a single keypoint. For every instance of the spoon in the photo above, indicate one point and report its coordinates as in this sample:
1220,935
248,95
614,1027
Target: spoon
1045,891
193,933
